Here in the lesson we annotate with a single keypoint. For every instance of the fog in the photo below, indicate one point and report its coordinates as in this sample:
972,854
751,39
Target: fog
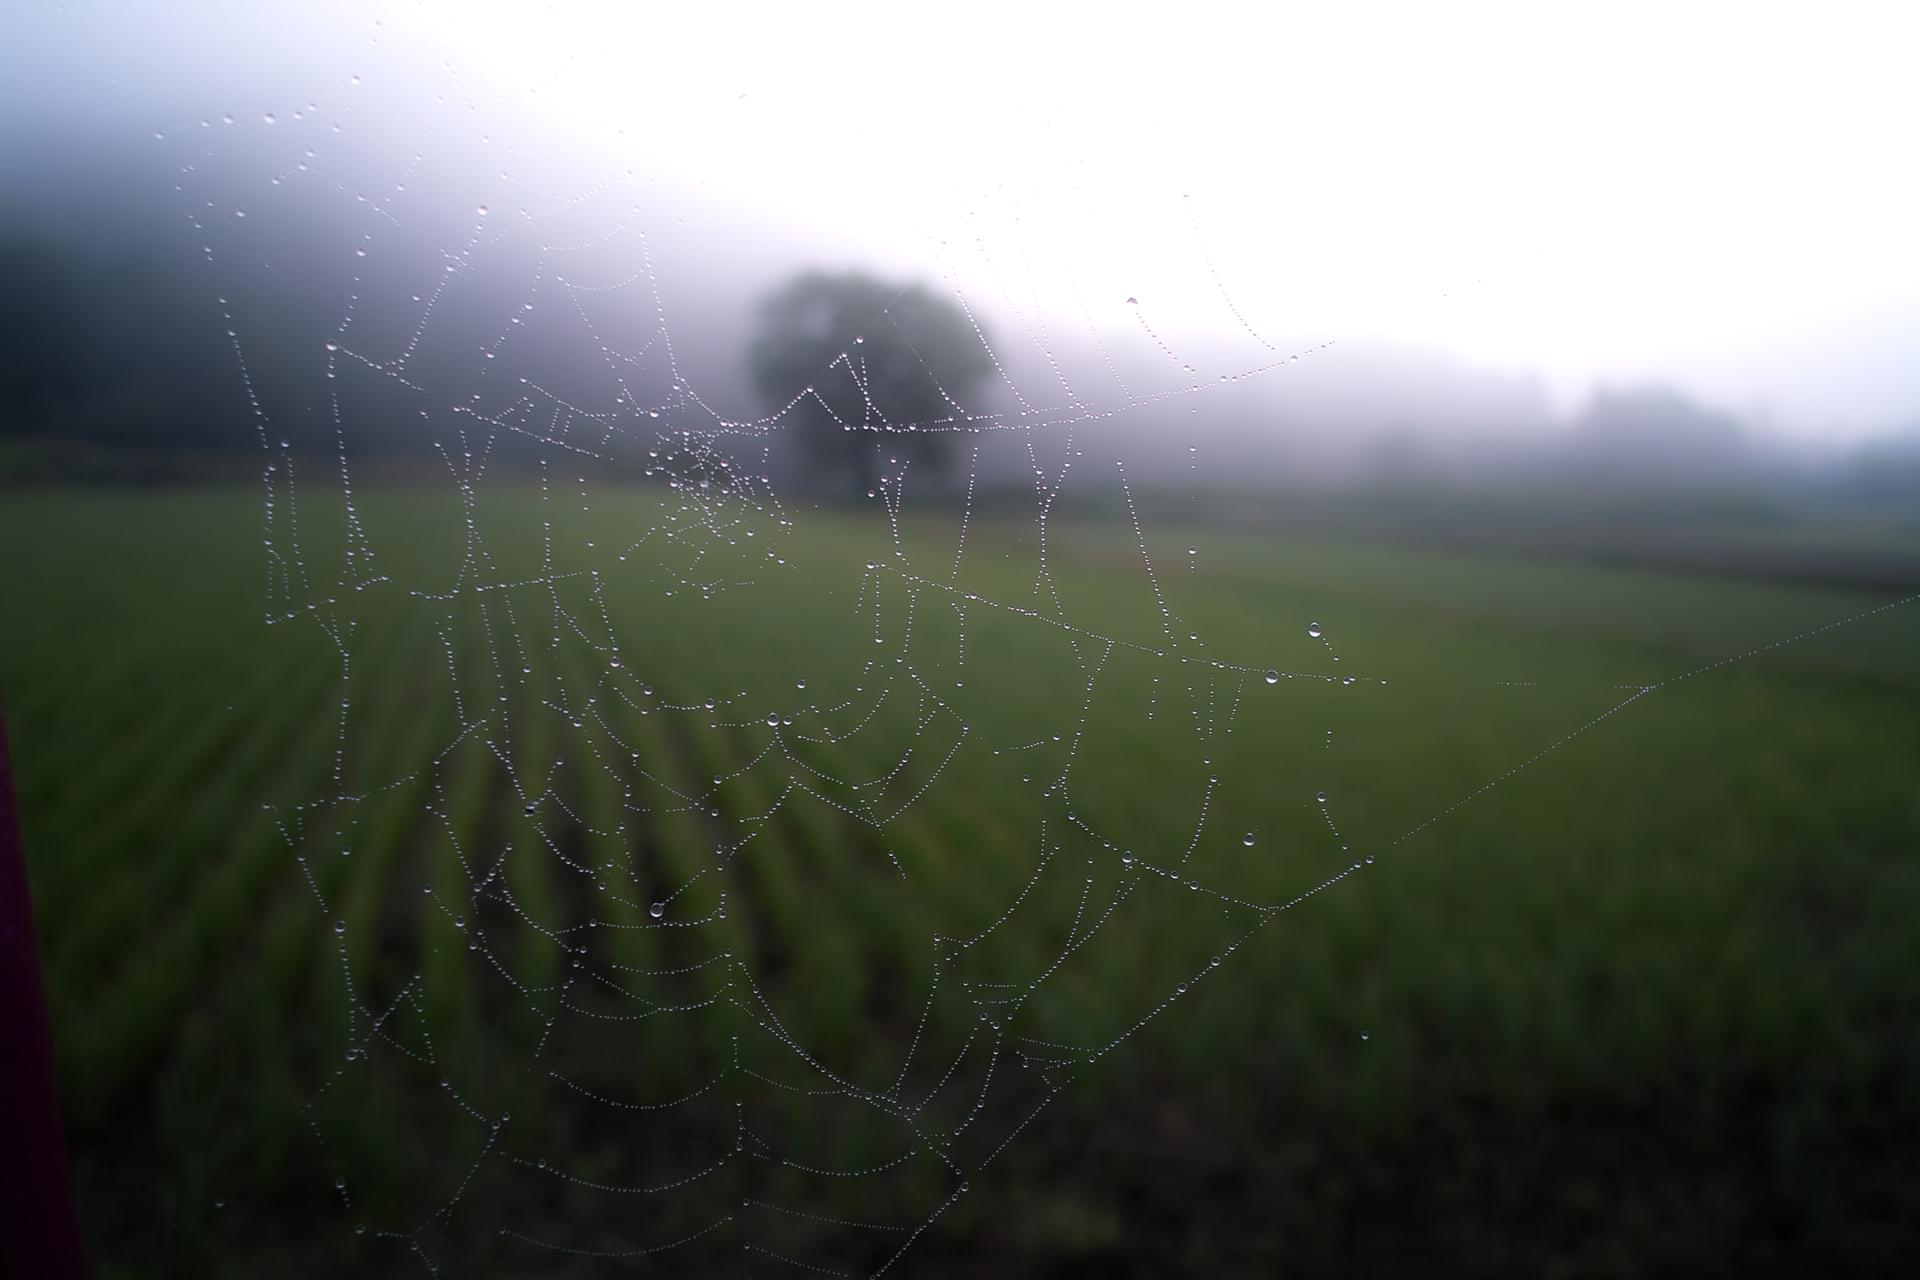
1676,259
1265,636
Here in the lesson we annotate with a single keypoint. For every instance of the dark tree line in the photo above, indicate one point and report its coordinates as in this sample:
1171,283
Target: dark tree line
116,347
111,350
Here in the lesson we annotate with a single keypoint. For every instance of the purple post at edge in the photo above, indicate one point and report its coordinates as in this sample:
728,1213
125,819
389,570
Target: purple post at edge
39,1235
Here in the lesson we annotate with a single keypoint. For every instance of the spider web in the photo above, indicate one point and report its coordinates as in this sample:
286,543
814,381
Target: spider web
751,876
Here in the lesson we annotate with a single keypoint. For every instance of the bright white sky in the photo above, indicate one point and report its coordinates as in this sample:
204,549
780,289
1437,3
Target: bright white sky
1720,194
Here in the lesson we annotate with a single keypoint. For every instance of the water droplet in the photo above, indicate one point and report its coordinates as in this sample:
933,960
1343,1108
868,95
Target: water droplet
482,211
1321,796
1273,677
1313,629
657,910
1247,839
339,926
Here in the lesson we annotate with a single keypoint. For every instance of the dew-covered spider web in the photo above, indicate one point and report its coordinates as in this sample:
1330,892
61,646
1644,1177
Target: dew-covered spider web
754,866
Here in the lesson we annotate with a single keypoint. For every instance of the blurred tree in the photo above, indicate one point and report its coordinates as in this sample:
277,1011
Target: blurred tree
1657,436
893,370
111,346
43,349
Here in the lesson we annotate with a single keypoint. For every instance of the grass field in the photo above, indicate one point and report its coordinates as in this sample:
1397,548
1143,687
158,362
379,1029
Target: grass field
1650,1003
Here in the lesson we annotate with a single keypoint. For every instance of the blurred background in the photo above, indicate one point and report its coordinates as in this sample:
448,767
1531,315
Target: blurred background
746,641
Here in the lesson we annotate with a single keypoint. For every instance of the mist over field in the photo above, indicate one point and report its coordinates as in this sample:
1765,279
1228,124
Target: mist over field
115,345
885,641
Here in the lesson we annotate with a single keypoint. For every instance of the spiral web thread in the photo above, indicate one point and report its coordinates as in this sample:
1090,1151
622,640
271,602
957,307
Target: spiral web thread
731,912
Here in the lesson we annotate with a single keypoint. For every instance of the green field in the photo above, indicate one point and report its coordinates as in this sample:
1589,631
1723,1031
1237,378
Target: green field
1631,983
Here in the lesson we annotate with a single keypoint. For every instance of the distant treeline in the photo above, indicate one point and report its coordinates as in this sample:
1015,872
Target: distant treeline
118,349
115,364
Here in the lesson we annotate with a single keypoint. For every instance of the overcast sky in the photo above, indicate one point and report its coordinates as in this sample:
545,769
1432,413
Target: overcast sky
1721,195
